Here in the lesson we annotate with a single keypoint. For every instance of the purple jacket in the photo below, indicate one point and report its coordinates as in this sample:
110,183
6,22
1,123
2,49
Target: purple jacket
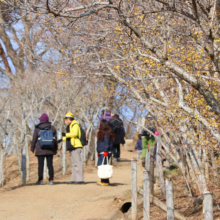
138,145
107,116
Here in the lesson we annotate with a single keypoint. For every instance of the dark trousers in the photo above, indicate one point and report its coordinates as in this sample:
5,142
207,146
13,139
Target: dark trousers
116,150
49,159
100,159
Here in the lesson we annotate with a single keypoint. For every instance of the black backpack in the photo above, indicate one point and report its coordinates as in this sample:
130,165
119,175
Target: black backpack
147,134
83,136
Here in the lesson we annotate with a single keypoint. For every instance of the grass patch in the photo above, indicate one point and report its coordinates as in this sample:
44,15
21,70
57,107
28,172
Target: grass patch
173,172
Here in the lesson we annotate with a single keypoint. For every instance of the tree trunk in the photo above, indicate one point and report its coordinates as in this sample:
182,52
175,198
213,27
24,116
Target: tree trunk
218,10
214,167
64,159
159,165
59,154
206,164
1,166
201,170
177,159
192,173
96,156
17,153
23,151
198,170
27,158
23,165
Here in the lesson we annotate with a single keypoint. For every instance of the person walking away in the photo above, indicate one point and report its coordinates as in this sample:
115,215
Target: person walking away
138,147
118,127
74,145
105,138
41,152
106,114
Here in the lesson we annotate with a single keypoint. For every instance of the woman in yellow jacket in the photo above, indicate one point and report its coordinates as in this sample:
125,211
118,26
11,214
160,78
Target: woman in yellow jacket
74,145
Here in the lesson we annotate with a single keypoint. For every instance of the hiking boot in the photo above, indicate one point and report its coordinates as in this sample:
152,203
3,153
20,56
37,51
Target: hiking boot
80,182
39,182
50,182
102,184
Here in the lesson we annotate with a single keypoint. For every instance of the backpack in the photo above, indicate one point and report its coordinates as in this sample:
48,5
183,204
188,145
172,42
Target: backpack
45,139
145,133
83,136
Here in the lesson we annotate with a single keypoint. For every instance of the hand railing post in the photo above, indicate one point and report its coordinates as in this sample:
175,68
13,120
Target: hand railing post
208,205
146,194
170,202
134,189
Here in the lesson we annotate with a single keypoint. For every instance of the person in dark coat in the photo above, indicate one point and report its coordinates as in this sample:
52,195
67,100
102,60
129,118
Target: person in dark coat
44,153
105,138
118,127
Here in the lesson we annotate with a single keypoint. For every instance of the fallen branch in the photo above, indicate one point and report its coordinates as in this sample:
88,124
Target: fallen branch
161,205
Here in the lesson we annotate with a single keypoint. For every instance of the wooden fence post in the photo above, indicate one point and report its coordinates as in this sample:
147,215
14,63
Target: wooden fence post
64,159
152,170
170,202
161,205
134,189
147,160
160,177
1,166
208,205
167,161
146,194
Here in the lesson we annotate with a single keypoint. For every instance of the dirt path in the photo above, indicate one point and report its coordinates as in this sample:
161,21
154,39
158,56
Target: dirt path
62,201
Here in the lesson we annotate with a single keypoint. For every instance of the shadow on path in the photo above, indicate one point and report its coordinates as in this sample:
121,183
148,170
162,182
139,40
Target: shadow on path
60,183
122,160
20,186
117,184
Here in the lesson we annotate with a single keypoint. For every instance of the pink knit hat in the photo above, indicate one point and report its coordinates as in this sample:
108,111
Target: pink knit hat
156,133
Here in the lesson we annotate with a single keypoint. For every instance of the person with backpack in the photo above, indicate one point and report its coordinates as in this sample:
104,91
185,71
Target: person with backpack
138,147
73,138
44,143
118,127
105,138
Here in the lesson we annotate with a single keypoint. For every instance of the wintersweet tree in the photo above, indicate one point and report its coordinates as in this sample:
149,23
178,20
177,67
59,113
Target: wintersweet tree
165,52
